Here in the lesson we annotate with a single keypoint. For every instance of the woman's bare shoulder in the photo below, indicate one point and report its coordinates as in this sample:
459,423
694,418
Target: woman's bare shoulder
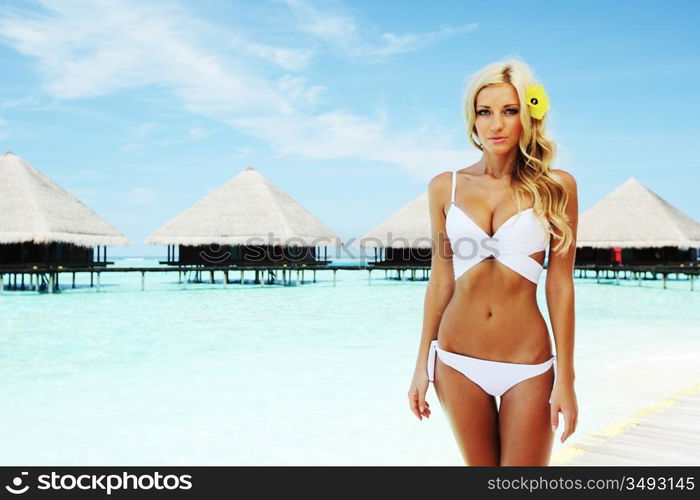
565,178
440,182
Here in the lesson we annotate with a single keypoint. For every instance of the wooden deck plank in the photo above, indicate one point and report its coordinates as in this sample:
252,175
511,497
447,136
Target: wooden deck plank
666,433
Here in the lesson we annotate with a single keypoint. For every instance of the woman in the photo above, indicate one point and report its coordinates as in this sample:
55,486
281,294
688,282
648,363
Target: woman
484,336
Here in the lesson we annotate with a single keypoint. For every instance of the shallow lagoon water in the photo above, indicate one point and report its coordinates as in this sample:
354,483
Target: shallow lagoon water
217,374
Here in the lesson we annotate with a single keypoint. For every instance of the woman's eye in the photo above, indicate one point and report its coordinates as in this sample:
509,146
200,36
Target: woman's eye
515,111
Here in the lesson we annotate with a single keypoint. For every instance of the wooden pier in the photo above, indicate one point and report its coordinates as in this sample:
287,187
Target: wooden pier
637,272
45,278
666,433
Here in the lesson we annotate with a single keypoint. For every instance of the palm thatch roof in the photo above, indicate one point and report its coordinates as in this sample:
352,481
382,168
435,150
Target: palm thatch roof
409,227
632,216
35,209
248,209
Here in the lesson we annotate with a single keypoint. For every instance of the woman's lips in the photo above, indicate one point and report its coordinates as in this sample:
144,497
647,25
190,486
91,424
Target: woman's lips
497,139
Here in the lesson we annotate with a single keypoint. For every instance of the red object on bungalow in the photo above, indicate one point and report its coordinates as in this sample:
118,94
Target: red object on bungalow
617,255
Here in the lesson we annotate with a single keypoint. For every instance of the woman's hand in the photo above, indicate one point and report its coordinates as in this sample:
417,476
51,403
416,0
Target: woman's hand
416,395
563,399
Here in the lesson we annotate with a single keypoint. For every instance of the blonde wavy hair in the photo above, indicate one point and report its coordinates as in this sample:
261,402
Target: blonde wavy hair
532,172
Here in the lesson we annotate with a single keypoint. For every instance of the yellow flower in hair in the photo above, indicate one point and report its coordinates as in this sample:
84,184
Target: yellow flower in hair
537,101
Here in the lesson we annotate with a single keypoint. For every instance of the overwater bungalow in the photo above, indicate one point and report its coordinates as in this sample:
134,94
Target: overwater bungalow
248,222
403,240
43,227
632,225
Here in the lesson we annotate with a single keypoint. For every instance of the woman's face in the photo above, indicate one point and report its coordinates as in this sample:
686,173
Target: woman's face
498,115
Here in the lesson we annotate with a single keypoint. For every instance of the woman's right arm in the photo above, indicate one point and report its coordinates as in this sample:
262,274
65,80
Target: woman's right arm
439,291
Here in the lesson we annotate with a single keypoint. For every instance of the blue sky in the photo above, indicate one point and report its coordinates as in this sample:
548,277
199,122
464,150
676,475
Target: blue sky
141,108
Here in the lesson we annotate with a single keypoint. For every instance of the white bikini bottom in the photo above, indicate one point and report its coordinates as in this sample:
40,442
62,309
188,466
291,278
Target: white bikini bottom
494,377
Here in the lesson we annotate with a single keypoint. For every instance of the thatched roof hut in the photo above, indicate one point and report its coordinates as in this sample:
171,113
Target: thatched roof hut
634,217
38,216
405,235
248,211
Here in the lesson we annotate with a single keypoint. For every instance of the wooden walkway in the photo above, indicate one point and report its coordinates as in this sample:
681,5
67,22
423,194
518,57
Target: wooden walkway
666,433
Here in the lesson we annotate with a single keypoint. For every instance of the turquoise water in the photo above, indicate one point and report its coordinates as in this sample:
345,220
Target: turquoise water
261,374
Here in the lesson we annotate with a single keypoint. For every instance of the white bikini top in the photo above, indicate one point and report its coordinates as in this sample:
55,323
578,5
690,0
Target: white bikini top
511,244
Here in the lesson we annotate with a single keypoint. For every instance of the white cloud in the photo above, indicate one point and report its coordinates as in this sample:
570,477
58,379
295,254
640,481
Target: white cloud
395,44
343,135
331,27
141,196
297,88
150,135
341,31
142,131
86,49
287,58
243,152
197,133
139,135
22,101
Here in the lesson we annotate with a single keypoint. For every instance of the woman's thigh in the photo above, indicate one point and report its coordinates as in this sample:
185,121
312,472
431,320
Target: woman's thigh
472,414
524,422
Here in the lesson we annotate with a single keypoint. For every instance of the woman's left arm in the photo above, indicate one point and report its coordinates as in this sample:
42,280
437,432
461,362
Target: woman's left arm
559,291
